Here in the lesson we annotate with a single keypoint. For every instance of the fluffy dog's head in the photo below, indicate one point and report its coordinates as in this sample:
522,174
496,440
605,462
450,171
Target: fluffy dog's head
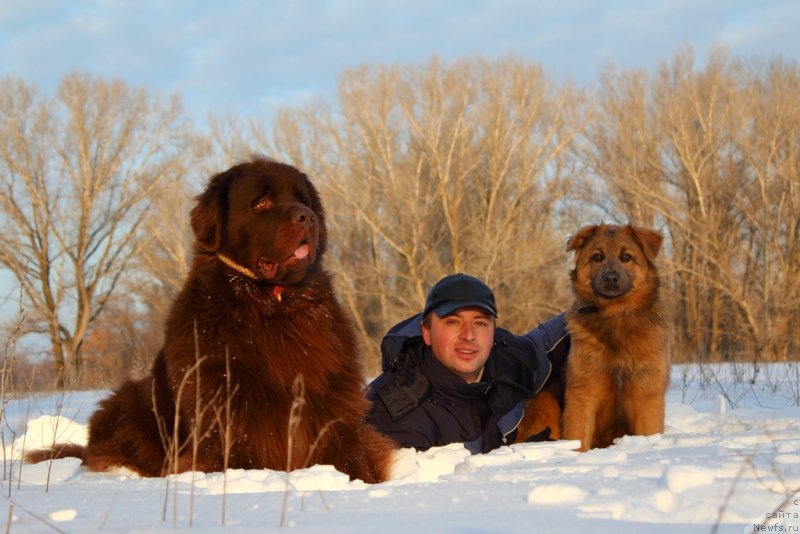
615,264
266,217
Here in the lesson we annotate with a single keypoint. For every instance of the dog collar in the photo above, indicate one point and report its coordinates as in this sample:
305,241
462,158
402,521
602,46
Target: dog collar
236,267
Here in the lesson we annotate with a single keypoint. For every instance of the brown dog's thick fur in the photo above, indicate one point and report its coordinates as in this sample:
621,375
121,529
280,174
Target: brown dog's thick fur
617,370
258,355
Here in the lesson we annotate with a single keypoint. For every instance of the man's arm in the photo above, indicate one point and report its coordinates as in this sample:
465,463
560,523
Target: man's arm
549,346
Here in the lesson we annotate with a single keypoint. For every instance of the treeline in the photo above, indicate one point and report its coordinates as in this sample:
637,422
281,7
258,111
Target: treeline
476,166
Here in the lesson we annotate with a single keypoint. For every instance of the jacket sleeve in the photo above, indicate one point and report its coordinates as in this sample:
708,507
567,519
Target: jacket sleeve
549,343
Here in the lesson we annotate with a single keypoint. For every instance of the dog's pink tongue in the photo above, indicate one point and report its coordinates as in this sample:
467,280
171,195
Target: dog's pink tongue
301,252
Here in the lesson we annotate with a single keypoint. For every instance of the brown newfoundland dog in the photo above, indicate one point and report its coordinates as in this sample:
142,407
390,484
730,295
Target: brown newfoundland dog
259,367
617,370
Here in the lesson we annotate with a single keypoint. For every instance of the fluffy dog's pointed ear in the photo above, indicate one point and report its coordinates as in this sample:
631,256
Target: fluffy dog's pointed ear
579,239
210,213
649,239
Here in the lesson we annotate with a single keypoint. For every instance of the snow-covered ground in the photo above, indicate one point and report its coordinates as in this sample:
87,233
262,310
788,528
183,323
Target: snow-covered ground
729,460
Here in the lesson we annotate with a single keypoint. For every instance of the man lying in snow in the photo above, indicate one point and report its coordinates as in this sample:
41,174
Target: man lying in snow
449,375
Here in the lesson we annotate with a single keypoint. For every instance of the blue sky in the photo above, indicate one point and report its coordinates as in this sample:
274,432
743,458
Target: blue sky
251,56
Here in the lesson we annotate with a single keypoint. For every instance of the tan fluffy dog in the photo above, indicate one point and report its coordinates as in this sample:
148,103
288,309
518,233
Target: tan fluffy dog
617,371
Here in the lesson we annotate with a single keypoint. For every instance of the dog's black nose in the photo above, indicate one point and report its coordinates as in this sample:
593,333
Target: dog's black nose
302,215
611,278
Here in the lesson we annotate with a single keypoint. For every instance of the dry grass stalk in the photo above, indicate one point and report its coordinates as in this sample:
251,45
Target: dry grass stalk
224,422
295,419
37,517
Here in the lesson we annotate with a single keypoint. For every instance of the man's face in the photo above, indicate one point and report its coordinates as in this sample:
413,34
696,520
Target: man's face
461,341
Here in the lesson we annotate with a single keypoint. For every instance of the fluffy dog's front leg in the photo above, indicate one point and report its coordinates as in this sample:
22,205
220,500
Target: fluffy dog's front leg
645,414
580,416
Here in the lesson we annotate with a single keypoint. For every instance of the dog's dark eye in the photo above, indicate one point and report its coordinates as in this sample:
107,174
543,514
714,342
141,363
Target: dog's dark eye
598,257
263,203
625,257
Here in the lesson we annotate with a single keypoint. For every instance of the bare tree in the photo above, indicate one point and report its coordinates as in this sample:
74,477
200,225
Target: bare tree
473,166
232,139
120,342
769,142
434,169
624,150
164,261
77,174
709,153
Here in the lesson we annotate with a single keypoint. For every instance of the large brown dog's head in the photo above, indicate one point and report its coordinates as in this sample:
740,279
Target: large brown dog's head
614,263
265,216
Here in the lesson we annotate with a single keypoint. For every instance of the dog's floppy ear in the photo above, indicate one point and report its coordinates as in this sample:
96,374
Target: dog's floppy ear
577,241
650,240
210,213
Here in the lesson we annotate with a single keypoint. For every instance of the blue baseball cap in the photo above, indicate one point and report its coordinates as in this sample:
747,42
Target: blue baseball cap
457,291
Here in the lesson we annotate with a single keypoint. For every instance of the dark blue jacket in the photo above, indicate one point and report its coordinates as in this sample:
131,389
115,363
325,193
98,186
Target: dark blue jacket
419,403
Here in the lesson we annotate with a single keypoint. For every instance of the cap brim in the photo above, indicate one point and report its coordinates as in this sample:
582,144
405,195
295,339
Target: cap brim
449,307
